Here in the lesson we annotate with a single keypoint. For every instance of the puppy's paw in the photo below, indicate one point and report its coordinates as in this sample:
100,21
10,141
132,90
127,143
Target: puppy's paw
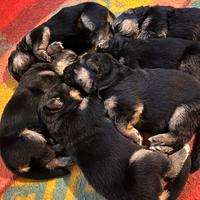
55,47
144,35
59,162
43,55
64,161
103,44
165,139
163,149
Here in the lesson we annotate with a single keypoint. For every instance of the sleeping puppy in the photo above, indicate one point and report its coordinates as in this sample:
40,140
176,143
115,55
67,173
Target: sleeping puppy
159,21
115,167
79,28
165,103
171,53
26,147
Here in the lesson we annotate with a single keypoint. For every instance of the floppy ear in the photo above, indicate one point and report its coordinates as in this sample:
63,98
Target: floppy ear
55,103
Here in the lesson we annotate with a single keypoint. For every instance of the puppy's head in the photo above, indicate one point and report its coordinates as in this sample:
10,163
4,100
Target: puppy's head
38,79
62,60
92,72
129,22
57,104
99,23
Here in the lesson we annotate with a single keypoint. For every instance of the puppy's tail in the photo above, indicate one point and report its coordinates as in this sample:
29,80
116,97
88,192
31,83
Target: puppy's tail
43,173
195,154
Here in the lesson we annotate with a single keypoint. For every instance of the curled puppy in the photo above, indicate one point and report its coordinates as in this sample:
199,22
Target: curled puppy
165,103
171,53
115,167
79,28
159,21
25,144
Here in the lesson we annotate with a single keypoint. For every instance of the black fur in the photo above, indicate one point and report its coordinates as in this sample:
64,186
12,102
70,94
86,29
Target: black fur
171,53
159,21
156,100
22,149
101,152
79,28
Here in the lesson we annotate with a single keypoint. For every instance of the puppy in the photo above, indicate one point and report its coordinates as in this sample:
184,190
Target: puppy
25,144
165,103
79,28
159,22
115,167
171,53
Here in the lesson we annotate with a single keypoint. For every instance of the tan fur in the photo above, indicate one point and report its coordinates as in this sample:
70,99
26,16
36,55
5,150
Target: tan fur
45,39
164,196
46,73
33,135
24,168
20,60
84,104
75,94
138,110
110,19
130,27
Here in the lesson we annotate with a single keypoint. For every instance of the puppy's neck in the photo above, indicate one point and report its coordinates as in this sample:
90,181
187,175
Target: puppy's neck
116,74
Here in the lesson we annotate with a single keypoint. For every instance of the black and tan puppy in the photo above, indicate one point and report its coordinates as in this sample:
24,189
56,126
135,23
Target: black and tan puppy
116,168
79,28
165,103
25,144
159,21
171,53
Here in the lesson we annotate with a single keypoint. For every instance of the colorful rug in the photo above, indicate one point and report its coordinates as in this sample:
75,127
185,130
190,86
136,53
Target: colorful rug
18,18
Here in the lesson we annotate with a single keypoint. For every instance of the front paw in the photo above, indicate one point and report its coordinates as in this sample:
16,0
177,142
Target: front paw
165,139
163,149
55,47
103,44
43,55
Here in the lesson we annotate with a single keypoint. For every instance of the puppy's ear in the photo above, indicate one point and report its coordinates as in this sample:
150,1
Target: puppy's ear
55,103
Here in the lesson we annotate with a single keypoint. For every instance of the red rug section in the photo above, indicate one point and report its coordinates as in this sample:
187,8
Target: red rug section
27,14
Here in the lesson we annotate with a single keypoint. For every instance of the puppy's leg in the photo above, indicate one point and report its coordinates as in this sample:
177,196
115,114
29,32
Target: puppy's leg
184,121
54,48
177,161
128,130
175,186
190,61
155,25
124,125
40,39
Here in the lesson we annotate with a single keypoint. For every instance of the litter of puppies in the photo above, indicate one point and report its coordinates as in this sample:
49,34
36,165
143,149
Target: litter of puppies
91,84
